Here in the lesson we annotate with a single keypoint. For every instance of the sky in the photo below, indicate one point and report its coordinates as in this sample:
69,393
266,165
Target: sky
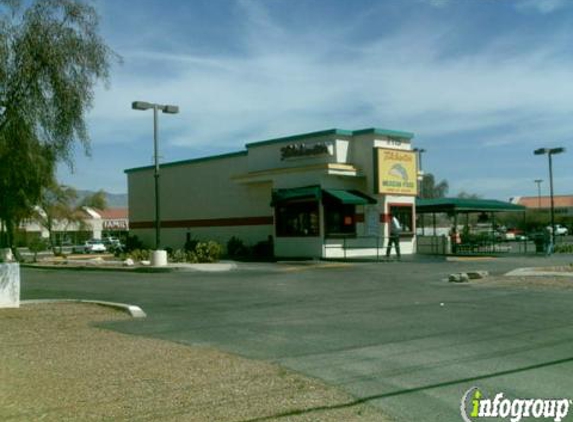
481,83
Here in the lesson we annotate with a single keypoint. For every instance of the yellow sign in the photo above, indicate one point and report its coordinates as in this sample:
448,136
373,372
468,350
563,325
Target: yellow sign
397,172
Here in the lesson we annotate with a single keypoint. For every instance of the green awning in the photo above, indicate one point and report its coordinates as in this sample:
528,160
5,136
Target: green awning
283,195
350,197
463,205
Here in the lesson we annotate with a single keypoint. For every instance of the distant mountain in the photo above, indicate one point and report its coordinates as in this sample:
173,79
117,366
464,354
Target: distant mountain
114,200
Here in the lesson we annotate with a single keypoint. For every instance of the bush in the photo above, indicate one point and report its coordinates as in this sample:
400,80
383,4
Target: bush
206,252
564,248
178,255
133,243
263,249
36,245
190,243
236,248
139,255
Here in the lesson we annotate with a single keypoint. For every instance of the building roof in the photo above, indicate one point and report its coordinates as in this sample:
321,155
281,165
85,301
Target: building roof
559,201
114,213
191,161
340,132
439,205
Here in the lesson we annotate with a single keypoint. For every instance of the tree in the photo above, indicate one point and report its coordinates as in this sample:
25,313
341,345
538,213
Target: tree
430,190
466,195
51,57
98,200
59,208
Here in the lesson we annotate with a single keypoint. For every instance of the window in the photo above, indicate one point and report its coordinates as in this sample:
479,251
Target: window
339,219
404,213
298,219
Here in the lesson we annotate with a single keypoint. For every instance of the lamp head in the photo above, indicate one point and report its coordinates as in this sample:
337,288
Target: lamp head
556,150
170,109
141,105
551,151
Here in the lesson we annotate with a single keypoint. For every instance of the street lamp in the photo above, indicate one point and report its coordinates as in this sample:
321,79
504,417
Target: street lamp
419,152
538,181
550,152
160,257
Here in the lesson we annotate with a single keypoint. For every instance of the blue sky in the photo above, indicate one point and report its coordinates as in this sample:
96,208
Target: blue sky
481,83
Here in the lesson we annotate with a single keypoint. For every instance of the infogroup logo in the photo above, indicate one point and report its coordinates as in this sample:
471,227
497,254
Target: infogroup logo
475,406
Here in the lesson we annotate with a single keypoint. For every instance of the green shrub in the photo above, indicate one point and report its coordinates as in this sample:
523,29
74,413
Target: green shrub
206,252
139,255
190,243
178,255
236,248
37,244
133,243
263,249
564,248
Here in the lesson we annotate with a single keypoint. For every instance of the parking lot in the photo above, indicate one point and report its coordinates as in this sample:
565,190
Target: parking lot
392,334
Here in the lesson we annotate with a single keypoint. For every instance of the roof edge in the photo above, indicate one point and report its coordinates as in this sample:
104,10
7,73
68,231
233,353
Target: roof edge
190,161
384,132
291,138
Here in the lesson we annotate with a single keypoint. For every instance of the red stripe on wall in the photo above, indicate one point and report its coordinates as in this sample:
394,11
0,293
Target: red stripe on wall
206,222
385,218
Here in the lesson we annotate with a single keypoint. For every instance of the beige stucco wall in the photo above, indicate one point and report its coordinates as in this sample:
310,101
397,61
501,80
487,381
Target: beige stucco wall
197,191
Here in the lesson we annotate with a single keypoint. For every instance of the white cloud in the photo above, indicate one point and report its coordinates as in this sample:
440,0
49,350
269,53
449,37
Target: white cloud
542,6
395,82
289,82
437,3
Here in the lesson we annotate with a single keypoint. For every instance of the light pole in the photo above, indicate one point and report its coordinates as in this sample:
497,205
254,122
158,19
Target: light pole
161,258
550,152
538,181
419,152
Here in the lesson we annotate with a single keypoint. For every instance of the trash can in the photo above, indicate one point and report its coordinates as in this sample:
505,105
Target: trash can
539,241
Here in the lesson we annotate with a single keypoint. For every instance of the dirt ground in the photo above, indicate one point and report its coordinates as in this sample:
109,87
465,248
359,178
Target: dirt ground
562,278
55,366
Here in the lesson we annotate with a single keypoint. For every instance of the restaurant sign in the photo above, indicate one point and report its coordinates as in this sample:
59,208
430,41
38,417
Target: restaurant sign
397,172
120,224
306,150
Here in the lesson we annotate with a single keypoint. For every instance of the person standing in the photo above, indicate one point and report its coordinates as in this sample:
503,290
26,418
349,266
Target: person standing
548,240
455,239
394,238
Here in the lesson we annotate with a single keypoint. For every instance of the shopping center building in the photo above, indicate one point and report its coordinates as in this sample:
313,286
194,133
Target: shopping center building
323,194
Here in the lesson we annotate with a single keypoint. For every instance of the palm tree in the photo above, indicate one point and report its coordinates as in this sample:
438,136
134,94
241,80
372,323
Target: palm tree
430,190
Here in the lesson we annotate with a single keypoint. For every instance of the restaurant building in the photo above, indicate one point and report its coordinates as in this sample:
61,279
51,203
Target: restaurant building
324,194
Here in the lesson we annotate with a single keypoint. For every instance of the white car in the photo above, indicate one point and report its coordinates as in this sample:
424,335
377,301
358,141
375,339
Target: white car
559,230
94,246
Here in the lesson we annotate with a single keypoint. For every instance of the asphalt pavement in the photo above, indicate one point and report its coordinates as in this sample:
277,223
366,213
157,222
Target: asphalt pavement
393,334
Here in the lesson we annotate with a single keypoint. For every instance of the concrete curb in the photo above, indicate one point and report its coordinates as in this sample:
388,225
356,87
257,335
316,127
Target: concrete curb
133,310
209,268
215,267
99,268
533,272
